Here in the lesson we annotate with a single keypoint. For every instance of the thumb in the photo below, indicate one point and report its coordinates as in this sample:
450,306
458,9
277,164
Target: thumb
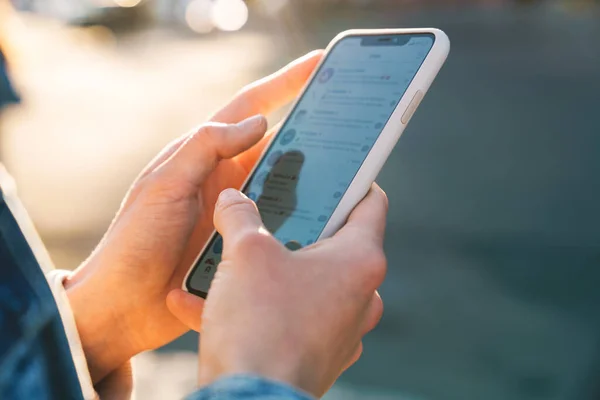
236,216
199,154
186,307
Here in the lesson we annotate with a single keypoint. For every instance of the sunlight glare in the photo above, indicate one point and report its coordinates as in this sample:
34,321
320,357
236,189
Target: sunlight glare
229,15
198,16
127,3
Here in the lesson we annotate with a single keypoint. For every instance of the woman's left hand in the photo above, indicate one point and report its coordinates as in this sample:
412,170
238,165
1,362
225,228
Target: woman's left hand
118,295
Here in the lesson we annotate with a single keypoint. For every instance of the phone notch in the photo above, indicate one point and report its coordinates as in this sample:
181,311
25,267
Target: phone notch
387,40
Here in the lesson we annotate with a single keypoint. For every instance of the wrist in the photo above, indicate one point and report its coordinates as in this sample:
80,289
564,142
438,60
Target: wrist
239,385
102,333
283,367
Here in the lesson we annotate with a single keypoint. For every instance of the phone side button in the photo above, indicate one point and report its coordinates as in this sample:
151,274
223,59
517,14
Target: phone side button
412,107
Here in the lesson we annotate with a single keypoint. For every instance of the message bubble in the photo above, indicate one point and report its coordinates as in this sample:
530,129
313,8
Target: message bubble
325,144
349,100
340,122
351,79
218,246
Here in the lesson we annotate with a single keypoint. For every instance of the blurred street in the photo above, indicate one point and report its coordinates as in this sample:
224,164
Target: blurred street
493,238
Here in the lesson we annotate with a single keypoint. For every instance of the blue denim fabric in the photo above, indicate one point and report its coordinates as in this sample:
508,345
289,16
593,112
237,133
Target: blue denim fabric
35,359
244,387
7,94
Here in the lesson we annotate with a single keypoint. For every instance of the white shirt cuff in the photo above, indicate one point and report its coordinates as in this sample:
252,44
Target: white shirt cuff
55,280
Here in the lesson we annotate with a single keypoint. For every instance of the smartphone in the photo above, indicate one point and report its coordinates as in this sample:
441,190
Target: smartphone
336,138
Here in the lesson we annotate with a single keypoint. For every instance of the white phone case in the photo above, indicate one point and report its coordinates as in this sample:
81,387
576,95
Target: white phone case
390,134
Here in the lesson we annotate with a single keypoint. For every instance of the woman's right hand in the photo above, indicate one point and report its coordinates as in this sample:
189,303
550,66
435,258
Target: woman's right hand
295,317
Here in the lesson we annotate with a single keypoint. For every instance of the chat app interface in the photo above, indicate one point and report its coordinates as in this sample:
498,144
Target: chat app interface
318,151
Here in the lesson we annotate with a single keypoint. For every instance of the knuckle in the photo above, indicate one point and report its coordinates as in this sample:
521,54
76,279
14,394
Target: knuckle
249,98
376,266
369,262
253,243
209,134
359,350
376,313
157,189
384,198
378,197
357,353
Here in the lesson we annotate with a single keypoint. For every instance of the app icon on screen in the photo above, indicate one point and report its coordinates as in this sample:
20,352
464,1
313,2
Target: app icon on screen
300,116
218,246
273,158
326,75
262,177
287,137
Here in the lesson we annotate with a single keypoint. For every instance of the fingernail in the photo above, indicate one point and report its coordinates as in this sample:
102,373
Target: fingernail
230,194
253,122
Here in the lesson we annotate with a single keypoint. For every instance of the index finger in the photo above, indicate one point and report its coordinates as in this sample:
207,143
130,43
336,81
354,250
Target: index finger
248,158
271,92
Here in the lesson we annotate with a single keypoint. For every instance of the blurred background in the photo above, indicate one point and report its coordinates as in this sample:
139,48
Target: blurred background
493,237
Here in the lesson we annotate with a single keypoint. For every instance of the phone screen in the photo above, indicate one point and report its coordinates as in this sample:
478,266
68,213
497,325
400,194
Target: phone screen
322,145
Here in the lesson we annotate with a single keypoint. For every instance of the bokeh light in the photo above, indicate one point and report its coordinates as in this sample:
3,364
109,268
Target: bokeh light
127,3
229,15
198,16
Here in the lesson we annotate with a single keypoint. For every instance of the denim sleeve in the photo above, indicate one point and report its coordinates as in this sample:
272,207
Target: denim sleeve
243,387
7,93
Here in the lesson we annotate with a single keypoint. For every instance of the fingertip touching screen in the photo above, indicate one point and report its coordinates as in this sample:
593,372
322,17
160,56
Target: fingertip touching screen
322,145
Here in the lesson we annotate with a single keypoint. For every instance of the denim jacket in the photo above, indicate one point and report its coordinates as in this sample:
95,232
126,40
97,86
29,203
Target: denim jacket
35,357
243,387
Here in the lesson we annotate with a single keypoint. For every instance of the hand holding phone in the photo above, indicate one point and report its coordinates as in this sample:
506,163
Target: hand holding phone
165,218
336,138
259,319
